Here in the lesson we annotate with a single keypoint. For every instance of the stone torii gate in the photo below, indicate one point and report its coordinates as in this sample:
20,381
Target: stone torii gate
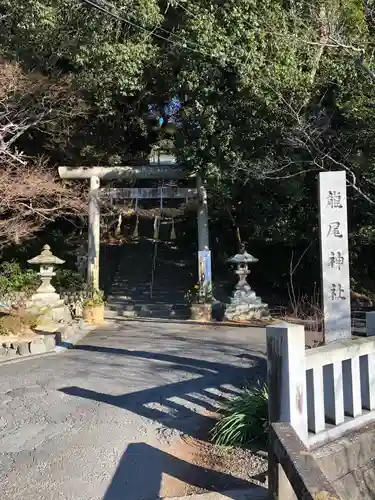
160,171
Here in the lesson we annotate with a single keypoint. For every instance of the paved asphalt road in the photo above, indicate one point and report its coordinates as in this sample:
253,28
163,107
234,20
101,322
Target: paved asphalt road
95,423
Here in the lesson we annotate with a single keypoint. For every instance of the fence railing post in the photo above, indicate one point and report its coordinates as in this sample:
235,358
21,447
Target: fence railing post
287,376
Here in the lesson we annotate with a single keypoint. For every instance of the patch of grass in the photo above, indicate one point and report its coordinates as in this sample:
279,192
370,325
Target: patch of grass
244,419
16,324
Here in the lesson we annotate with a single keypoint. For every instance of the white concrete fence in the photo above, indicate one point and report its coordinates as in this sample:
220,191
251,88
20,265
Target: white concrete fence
322,392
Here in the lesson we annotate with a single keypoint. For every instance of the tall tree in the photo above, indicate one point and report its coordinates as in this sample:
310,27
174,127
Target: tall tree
271,92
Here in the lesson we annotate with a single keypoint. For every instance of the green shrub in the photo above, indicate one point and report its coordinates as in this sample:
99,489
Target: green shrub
15,279
69,280
95,299
244,419
16,324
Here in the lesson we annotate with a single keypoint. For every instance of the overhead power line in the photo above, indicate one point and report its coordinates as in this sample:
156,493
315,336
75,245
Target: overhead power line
188,11
188,45
95,4
171,33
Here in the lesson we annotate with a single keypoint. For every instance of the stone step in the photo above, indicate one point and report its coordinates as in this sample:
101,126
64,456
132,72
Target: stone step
359,323
359,331
148,310
151,309
141,289
359,326
158,288
129,288
361,312
146,292
157,313
162,315
126,299
157,283
146,297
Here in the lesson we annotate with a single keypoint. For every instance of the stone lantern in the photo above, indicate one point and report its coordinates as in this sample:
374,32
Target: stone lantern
45,301
46,260
244,304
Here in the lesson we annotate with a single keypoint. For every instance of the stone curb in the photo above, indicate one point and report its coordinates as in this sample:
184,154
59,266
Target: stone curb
61,347
69,344
19,359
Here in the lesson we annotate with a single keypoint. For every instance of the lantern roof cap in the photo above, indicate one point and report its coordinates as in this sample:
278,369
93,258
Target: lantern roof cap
46,257
242,257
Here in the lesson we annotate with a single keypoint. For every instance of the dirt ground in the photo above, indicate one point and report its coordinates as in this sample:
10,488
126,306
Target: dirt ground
213,468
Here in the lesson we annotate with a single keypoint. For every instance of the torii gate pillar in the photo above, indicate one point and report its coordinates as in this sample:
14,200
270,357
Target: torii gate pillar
93,247
202,217
160,171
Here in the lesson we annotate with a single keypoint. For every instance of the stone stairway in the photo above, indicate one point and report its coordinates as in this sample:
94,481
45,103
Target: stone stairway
359,319
135,291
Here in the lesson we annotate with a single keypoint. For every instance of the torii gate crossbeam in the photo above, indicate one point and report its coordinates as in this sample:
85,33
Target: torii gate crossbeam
167,171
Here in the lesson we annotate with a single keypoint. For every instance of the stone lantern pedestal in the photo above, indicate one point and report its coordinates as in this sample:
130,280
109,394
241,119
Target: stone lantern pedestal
244,304
46,302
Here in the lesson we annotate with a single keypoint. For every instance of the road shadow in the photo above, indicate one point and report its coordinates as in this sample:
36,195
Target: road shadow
140,473
175,405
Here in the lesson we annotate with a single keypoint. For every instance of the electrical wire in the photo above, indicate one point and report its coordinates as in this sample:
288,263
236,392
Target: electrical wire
142,28
111,6
184,44
186,9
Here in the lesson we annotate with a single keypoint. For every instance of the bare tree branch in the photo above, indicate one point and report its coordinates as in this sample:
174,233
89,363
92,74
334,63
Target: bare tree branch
306,139
31,193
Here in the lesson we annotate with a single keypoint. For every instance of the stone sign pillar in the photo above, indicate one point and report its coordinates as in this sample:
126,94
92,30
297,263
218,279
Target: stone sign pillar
334,256
94,235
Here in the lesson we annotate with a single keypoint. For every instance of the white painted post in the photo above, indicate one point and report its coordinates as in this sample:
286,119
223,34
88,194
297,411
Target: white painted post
334,256
315,402
334,393
93,235
367,367
287,376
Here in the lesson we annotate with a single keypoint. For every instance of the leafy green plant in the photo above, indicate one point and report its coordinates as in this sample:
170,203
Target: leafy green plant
95,299
15,279
192,294
69,280
244,419
199,296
